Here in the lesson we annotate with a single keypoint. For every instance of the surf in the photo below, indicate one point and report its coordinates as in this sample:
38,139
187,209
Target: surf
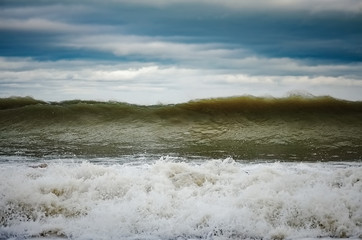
170,198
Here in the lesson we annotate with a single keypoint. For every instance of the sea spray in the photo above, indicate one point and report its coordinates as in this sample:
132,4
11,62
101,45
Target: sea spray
174,199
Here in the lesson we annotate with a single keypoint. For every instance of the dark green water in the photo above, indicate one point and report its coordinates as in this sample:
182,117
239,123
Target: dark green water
296,128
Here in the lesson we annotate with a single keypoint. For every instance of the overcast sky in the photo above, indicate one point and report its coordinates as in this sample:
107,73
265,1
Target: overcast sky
170,51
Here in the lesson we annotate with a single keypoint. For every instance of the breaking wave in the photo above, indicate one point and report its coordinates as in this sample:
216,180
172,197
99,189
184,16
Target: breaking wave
169,199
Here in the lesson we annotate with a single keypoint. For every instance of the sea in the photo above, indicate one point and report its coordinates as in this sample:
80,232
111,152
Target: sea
225,168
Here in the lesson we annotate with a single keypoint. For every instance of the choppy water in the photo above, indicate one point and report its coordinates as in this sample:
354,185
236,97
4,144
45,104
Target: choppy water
235,168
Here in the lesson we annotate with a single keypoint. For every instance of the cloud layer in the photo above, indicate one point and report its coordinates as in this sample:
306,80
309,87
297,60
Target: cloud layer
172,51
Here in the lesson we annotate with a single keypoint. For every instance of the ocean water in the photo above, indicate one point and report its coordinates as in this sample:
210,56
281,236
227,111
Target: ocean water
233,168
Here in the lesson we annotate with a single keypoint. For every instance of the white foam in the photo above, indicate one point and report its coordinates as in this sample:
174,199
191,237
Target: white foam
171,200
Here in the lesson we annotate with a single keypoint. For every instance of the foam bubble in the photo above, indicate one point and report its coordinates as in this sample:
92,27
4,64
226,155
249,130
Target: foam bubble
181,200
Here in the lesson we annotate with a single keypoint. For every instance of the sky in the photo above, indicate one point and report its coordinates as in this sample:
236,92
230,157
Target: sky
172,51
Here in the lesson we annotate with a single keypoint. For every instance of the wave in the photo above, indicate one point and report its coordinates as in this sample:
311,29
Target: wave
242,104
297,127
294,107
167,199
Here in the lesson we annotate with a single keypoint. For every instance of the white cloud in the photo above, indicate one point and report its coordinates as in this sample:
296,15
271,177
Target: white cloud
295,81
207,56
319,5
321,81
151,47
148,83
253,65
40,24
52,10
305,5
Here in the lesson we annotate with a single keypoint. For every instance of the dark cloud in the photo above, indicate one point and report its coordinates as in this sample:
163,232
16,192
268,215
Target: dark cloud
335,36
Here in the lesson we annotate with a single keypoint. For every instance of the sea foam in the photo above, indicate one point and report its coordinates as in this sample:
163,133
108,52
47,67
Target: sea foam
168,199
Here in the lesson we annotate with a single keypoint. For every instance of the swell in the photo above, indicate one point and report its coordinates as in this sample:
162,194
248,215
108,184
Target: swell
304,107
292,128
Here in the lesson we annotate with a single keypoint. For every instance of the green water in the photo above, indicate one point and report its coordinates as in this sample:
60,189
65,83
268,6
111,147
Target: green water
295,128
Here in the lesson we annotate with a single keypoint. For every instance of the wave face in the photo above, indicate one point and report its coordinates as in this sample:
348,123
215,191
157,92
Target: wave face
173,199
296,128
